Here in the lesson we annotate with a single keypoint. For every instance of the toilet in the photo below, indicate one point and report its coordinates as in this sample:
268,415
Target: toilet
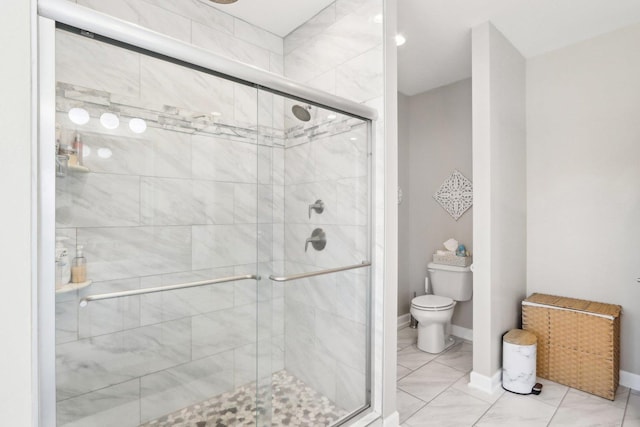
434,311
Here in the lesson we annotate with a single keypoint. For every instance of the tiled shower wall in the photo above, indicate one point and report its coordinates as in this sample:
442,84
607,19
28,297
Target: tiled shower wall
165,207
339,51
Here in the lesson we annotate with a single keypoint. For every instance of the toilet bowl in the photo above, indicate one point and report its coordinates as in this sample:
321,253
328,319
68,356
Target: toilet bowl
434,311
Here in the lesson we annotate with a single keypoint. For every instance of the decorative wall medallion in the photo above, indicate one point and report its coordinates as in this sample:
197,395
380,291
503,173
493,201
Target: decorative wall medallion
455,194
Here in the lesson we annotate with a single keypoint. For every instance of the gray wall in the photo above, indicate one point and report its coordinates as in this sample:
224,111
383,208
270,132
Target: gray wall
583,174
434,139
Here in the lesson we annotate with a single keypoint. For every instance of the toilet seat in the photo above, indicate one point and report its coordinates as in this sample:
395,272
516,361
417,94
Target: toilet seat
432,303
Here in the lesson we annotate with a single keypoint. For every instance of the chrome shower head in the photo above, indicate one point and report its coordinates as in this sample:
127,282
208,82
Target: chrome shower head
301,113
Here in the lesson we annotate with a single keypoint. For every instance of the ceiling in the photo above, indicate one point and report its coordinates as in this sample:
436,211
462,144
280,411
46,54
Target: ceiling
438,32
277,16
438,48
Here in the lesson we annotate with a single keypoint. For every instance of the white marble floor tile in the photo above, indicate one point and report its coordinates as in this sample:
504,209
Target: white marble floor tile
515,410
406,337
402,371
585,410
407,405
459,357
429,381
463,385
412,358
632,415
451,408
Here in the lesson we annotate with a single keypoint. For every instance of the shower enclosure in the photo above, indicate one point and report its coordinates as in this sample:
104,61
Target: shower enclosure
226,227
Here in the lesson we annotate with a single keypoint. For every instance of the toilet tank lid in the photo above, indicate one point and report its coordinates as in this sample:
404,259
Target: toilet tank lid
444,267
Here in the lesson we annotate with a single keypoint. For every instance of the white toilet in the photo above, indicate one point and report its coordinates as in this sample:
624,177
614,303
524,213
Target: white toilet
434,311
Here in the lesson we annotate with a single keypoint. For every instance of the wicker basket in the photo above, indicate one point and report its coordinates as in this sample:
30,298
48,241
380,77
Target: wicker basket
578,342
459,261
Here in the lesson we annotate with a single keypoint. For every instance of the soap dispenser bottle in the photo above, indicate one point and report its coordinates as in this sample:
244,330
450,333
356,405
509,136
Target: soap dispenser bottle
63,267
79,266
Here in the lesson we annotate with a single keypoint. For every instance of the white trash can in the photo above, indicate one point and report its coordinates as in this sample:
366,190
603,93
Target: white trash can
519,361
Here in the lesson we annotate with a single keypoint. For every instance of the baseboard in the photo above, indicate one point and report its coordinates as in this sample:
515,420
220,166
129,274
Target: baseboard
630,380
404,320
392,420
460,332
489,385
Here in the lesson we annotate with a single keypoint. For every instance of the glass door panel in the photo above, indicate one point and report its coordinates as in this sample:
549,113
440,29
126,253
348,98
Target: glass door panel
313,351
165,191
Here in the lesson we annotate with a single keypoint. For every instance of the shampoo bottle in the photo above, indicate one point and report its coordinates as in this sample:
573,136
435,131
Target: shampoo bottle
77,146
79,267
63,268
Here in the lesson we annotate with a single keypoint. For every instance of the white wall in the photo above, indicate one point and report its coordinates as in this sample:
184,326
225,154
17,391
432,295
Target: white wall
439,141
499,215
583,176
15,221
405,288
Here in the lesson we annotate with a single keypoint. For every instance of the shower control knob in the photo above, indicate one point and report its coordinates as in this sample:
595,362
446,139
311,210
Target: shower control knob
318,207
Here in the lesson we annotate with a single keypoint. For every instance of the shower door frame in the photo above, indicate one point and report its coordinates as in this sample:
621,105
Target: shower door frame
51,12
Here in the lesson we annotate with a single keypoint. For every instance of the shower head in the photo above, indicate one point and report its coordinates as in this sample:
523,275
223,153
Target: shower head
301,113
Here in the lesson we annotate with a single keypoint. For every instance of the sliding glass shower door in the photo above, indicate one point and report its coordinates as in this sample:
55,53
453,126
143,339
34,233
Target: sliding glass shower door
212,265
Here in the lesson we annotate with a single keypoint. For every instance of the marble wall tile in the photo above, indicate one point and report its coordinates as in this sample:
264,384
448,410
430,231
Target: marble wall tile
325,81
313,27
223,245
351,295
346,245
229,46
115,406
175,388
170,84
123,9
218,200
341,156
163,21
245,203
298,197
278,166
311,366
342,339
265,165
121,252
169,305
351,387
361,78
95,200
66,320
352,206
245,105
224,160
365,7
200,12
160,153
223,330
295,236
245,362
300,323
91,364
111,69
166,201
108,316
276,64
299,164
257,36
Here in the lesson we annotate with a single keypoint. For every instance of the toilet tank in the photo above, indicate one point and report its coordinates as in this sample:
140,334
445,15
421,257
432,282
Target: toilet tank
451,281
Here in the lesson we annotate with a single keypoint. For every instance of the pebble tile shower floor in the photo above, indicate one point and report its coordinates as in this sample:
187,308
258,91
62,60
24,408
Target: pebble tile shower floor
293,403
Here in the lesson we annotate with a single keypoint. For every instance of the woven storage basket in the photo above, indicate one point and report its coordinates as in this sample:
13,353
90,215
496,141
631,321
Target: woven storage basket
578,342
458,261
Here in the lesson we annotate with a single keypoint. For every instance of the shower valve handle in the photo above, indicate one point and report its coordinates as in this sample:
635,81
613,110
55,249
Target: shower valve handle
318,240
318,207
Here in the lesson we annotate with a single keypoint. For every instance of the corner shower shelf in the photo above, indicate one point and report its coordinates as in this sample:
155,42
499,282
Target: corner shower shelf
78,168
69,287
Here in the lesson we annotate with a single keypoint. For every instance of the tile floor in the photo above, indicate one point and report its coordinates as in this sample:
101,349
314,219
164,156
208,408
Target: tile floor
433,391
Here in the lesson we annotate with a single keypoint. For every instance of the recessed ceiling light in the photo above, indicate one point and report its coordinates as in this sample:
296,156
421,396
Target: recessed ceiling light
378,18
79,116
400,40
109,120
